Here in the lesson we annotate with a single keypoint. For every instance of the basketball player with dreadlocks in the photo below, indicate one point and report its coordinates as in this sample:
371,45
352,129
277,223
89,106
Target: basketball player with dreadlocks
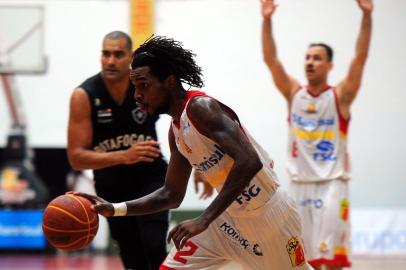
251,221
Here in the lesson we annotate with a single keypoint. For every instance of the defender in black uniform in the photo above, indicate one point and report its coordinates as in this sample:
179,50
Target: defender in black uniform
108,133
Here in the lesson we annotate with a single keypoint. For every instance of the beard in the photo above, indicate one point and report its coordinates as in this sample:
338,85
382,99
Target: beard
163,109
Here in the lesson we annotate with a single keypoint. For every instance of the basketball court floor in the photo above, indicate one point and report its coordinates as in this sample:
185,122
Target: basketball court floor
101,262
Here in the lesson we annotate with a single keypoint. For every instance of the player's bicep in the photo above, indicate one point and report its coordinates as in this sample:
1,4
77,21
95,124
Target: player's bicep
350,85
80,130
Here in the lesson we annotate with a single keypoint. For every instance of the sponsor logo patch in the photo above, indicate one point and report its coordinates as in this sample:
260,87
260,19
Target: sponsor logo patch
257,250
186,125
237,239
295,251
317,203
187,148
139,115
312,124
325,152
97,102
311,108
212,160
344,209
105,116
247,194
323,248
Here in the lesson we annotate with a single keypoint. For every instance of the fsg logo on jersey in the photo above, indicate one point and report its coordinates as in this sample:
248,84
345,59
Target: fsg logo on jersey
325,152
248,193
317,203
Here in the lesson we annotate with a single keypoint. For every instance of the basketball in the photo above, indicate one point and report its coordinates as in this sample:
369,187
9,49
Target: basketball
69,223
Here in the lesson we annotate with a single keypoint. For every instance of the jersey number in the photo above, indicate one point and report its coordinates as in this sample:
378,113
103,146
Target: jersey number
189,252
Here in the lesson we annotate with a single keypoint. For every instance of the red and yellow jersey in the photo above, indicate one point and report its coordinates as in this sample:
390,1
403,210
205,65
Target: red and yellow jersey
317,146
208,158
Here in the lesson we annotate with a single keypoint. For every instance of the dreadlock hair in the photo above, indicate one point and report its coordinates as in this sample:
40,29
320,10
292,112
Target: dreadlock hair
165,57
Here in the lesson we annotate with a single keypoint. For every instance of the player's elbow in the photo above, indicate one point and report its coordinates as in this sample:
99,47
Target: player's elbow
176,201
76,166
256,166
173,204
271,62
74,161
172,200
253,165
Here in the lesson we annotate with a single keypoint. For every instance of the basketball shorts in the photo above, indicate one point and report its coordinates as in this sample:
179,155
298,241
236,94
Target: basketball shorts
266,238
324,211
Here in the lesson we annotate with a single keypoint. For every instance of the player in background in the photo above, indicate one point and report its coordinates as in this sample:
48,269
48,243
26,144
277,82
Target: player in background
319,116
110,134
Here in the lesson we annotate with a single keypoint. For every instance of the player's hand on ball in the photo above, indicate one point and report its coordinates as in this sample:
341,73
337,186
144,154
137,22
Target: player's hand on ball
185,230
100,205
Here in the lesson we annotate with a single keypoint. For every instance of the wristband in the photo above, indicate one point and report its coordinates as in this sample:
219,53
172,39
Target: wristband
120,209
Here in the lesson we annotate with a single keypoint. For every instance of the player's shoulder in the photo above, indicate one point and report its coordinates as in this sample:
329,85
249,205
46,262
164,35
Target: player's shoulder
201,105
91,83
79,97
200,100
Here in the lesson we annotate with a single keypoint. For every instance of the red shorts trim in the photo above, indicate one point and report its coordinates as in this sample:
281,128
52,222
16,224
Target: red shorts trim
164,267
339,260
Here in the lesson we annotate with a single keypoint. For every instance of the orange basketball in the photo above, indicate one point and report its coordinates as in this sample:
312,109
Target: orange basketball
69,223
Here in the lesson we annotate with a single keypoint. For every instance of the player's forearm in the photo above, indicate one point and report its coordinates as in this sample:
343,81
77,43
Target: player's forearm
268,43
238,179
364,37
89,159
157,201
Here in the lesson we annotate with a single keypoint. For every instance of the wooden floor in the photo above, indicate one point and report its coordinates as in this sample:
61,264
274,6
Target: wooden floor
362,264
100,262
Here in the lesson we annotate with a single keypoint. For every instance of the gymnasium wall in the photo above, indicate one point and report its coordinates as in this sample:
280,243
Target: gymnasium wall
225,35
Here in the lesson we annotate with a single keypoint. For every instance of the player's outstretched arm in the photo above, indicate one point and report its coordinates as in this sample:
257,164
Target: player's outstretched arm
285,84
80,133
169,196
219,126
349,86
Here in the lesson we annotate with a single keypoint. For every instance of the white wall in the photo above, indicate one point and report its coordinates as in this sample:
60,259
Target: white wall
225,35
73,34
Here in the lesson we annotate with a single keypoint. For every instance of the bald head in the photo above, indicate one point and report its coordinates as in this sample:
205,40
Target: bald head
115,35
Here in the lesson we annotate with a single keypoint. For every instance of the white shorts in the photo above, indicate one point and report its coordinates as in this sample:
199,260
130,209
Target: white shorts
269,238
324,210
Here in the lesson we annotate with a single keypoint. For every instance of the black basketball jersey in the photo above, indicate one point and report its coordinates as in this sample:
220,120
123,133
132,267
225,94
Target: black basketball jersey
117,127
